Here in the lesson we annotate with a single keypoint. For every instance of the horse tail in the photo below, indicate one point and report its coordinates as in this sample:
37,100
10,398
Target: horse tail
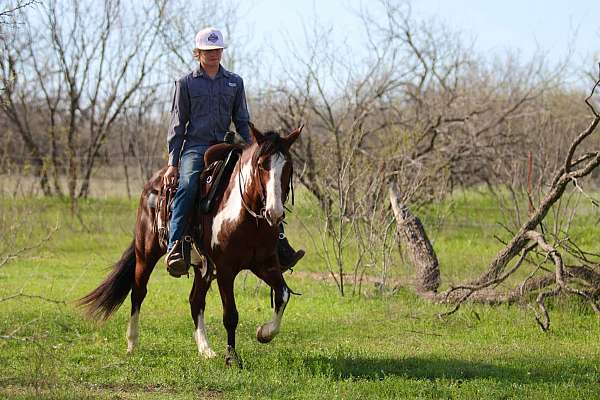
110,294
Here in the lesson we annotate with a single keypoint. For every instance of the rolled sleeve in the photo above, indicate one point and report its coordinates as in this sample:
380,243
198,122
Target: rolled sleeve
180,115
240,116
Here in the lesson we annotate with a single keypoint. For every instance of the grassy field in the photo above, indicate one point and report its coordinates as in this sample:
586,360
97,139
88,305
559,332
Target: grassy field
374,346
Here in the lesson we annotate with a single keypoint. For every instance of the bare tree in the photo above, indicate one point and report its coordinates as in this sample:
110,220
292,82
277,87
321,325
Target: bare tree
68,75
416,113
575,167
141,131
8,11
543,244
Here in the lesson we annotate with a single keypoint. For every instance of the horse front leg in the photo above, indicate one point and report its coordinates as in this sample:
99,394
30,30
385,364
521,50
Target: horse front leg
197,306
273,277
230,316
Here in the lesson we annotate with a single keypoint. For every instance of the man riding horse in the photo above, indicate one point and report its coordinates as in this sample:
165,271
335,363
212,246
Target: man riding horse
205,103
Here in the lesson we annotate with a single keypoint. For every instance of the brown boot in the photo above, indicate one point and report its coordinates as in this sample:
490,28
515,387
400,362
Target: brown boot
288,257
176,265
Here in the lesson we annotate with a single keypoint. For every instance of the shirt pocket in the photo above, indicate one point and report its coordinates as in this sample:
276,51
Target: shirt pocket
199,103
226,99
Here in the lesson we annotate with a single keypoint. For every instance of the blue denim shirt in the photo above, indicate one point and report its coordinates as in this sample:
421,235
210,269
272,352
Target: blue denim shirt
204,108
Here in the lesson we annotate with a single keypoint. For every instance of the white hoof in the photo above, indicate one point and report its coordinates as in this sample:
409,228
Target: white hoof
208,353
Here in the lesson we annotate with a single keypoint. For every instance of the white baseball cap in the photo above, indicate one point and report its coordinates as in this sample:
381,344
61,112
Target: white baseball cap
209,39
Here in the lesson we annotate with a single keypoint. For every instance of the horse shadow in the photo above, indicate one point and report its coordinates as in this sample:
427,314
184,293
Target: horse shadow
420,368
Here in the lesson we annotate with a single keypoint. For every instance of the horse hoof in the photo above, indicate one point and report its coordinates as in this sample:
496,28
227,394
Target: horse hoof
261,337
232,359
208,353
203,349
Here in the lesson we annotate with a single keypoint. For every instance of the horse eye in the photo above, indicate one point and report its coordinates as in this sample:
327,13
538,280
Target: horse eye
265,163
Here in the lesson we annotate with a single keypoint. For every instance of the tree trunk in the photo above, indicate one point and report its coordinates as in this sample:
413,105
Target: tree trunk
417,245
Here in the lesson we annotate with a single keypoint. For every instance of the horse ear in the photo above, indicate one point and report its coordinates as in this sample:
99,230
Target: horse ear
291,138
256,134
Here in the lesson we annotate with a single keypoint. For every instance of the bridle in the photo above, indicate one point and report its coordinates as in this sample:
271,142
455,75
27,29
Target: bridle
263,197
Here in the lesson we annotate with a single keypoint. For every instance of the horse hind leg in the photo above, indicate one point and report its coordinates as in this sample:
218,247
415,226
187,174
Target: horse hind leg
197,306
133,330
143,268
138,293
137,297
147,252
273,277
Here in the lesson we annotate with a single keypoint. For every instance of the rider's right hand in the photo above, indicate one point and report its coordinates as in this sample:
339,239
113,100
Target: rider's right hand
170,177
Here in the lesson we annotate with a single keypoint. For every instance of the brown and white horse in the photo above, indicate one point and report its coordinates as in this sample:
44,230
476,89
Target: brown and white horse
241,234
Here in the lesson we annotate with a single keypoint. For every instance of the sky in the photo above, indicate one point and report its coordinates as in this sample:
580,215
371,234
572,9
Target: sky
496,27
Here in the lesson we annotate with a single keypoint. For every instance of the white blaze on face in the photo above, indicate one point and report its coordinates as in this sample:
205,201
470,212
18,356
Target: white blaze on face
201,340
133,333
274,202
233,207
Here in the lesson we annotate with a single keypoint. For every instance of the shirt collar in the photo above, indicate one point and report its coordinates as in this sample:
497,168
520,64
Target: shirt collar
199,72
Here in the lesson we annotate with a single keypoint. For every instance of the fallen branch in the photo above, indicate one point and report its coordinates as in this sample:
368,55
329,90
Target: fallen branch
31,296
470,289
528,239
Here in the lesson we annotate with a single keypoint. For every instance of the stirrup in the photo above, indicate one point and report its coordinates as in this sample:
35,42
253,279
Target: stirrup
176,264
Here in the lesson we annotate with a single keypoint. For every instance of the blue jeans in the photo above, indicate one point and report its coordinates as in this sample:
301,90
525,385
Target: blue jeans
191,164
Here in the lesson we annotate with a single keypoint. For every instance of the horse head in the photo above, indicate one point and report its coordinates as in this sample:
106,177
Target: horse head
272,168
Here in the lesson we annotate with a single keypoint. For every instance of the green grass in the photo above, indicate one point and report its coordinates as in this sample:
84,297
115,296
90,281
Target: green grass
374,346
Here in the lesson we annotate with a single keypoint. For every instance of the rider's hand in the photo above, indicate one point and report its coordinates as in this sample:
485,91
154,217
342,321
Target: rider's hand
170,177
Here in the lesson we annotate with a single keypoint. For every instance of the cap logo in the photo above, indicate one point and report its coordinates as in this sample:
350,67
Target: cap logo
213,37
